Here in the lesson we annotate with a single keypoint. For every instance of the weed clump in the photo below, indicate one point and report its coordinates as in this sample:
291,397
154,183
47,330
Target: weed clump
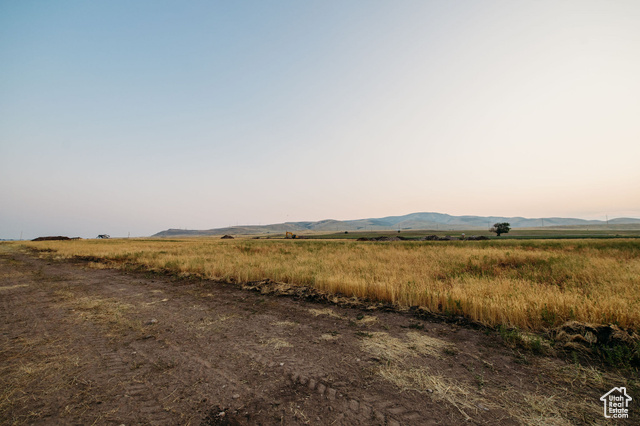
515,338
611,344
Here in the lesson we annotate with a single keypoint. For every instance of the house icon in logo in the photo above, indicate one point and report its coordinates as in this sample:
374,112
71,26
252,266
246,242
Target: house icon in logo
616,403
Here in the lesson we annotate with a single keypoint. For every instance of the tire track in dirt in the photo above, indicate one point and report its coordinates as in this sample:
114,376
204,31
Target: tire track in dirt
33,311
373,410
305,380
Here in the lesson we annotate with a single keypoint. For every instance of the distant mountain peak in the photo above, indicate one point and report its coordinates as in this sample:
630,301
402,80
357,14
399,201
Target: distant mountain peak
413,221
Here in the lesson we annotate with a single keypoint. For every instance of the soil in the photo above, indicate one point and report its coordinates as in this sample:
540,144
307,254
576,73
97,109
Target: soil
84,345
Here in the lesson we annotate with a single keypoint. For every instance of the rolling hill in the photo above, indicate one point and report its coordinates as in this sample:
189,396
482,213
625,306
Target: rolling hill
414,221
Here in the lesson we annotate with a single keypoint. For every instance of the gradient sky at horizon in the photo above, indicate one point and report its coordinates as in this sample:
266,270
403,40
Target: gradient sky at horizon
120,116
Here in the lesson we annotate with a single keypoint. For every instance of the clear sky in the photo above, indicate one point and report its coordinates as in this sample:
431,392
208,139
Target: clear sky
138,116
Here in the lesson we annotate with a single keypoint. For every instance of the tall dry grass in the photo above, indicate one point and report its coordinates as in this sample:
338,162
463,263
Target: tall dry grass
527,284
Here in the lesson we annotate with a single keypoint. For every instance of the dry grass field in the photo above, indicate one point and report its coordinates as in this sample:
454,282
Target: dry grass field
532,285
83,342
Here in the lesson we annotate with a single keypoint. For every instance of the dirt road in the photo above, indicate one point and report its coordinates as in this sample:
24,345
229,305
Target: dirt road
80,345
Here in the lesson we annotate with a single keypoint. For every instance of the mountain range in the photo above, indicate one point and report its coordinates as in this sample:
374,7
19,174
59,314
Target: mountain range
413,221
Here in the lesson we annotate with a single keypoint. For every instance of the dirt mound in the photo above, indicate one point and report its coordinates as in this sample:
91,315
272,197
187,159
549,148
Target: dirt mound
310,294
383,239
314,295
226,237
436,238
386,239
58,238
610,342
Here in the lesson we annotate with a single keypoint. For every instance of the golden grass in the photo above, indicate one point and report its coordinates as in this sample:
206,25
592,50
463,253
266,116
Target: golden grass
109,312
327,336
37,363
277,343
389,348
11,287
284,323
440,388
527,284
367,320
529,408
326,311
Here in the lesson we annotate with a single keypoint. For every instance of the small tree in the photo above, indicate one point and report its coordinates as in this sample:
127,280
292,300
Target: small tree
500,228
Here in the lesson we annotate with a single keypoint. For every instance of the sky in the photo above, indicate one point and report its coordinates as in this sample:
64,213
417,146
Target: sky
129,118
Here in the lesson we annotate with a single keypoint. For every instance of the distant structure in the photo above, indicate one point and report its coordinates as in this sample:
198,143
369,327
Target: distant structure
104,236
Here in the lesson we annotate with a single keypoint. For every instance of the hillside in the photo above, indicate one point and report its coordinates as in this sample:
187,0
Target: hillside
414,221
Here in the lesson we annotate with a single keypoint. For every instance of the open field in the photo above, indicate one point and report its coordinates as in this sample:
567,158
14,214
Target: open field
85,344
532,284
568,232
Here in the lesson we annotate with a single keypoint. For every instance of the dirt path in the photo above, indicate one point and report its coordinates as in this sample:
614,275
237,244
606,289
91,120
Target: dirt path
83,346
